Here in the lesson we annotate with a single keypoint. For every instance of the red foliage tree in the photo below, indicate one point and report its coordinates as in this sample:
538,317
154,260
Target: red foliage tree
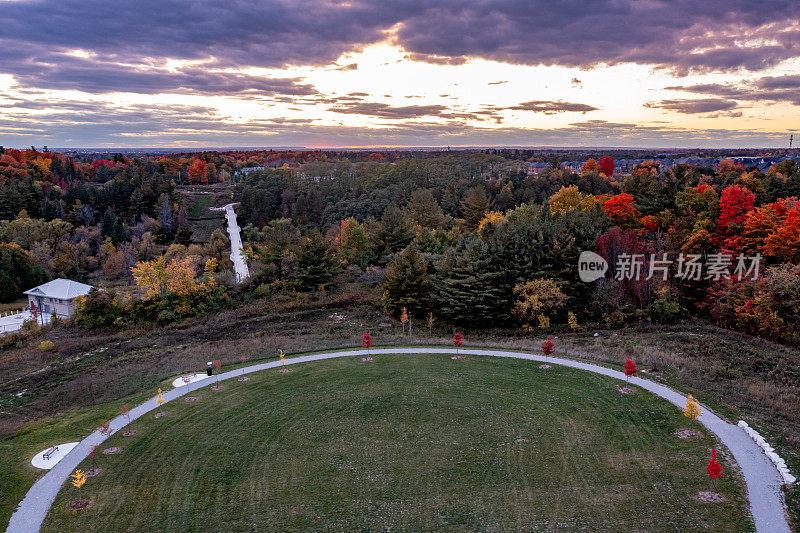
458,339
606,165
713,468
734,204
366,342
547,346
630,369
197,171
621,210
34,310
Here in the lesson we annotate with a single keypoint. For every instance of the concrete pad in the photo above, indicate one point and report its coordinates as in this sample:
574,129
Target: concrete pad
193,378
46,464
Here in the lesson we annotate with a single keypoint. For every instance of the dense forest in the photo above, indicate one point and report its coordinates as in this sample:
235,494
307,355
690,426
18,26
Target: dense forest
472,238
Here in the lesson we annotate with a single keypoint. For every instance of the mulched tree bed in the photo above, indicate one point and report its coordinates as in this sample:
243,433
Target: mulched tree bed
626,390
687,434
79,504
190,399
159,415
111,451
93,471
243,378
217,387
130,432
706,496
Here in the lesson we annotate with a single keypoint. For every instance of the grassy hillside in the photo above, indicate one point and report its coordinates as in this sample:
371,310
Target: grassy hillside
407,443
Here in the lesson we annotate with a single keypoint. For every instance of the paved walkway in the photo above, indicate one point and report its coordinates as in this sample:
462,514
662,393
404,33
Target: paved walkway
761,476
238,259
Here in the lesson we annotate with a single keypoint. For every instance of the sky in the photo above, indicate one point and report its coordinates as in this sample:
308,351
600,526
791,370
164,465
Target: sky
328,74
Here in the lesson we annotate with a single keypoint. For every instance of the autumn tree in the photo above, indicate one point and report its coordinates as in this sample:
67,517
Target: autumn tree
537,297
630,370
78,479
734,205
606,166
548,346
692,410
366,343
566,199
621,210
714,469
588,167
458,340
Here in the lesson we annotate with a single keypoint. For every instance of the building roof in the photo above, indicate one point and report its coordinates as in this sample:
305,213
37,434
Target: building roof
62,289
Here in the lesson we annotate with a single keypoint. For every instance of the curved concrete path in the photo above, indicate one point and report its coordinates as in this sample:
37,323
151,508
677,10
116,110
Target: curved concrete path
761,476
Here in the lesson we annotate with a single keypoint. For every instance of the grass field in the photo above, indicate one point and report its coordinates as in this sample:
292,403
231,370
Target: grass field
407,443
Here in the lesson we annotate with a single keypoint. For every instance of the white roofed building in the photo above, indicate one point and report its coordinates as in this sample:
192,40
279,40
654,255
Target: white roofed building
57,296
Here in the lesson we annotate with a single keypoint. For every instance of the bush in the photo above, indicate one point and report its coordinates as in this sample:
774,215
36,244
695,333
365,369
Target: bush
665,312
46,346
97,309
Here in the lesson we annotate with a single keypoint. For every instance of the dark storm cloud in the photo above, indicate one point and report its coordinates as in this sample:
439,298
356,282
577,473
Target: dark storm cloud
694,106
774,89
681,35
62,71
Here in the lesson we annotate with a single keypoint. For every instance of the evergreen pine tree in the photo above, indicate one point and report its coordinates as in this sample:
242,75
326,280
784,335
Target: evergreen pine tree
474,207
314,264
407,284
471,288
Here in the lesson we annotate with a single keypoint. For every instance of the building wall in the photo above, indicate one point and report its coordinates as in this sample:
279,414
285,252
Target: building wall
63,308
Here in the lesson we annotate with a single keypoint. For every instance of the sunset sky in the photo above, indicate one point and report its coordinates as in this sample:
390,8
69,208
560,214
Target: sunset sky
181,73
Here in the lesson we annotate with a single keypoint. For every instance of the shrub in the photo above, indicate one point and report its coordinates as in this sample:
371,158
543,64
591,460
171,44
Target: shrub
665,312
46,346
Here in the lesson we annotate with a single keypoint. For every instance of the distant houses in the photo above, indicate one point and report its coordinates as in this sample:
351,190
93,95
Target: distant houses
57,296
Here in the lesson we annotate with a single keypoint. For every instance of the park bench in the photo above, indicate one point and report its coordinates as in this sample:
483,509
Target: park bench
50,452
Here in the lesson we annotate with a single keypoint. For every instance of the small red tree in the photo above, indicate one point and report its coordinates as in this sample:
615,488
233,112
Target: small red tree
714,469
630,370
34,312
548,346
458,340
218,365
366,342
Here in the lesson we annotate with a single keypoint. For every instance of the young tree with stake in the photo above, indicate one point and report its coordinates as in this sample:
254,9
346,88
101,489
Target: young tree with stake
714,469
218,366
548,347
692,411
630,370
458,340
78,479
366,342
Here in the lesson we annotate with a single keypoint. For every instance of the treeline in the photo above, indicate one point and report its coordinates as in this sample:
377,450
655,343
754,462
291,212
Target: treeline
483,242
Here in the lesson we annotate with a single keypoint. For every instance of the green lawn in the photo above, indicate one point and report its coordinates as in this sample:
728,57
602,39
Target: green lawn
408,443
